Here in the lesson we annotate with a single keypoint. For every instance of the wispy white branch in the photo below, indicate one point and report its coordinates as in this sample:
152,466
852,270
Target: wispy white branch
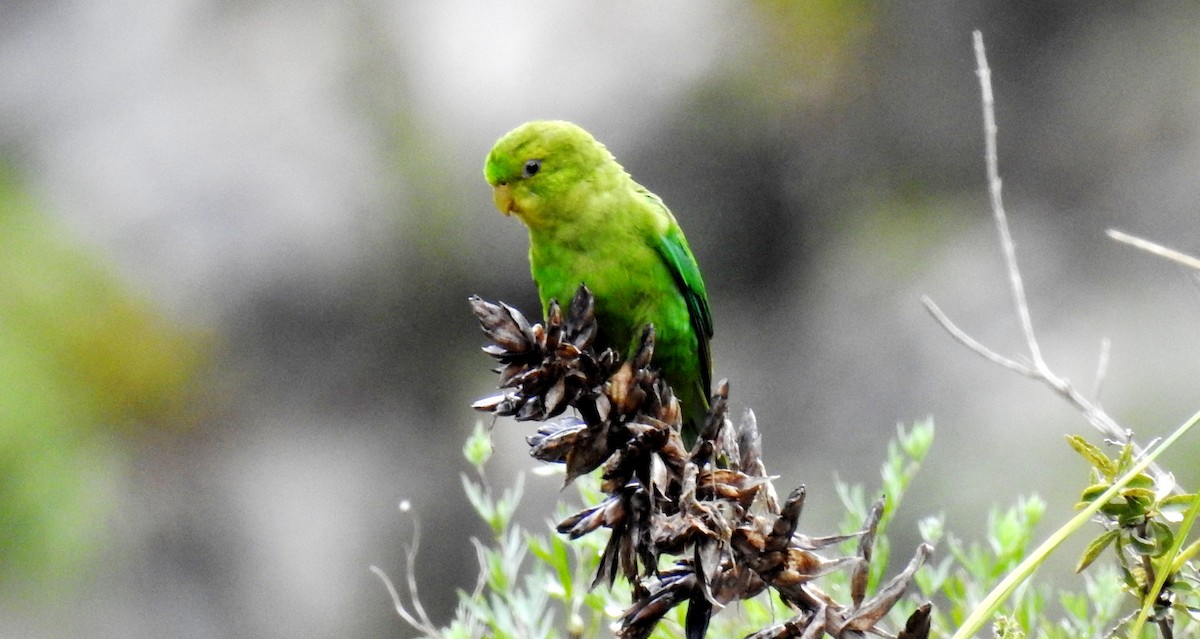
1036,368
1156,249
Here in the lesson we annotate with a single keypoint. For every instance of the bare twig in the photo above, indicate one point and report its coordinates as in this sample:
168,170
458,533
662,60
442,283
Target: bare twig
1101,368
1037,367
971,343
417,618
991,158
1156,249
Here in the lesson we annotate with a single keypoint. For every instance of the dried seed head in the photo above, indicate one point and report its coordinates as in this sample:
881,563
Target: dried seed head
620,389
581,319
641,359
714,508
589,451
917,626
749,443
555,439
716,414
503,324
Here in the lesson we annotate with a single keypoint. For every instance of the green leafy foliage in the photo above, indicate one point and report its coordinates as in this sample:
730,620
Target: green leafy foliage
905,454
964,576
539,584
530,585
1139,524
1140,545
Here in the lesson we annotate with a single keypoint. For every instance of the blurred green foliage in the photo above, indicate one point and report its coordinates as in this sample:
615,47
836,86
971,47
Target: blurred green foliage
82,361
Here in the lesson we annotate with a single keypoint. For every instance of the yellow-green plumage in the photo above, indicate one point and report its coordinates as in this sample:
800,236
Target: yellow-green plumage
590,223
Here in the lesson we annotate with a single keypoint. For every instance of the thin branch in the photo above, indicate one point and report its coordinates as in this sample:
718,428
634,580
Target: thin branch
1156,249
398,603
971,343
991,158
1037,369
410,568
417,618
1040,369
1101,368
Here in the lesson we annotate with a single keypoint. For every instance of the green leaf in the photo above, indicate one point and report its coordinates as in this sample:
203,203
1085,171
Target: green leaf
1145,544
478,447
1007,628
1175,504
507,505
1075,604
931,578
916,442
479,499
1093,455
1130,580
932,529
1131,518
1140,494
1095,548
1091,493
1142,480
1126,458
1162,535
554,554
1122,511
1139,500
1182,587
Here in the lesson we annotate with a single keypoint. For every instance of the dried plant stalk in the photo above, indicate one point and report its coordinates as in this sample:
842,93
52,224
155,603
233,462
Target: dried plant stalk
711,509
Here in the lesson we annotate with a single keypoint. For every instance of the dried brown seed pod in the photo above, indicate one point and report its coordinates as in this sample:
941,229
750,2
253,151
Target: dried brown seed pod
714,508
504,325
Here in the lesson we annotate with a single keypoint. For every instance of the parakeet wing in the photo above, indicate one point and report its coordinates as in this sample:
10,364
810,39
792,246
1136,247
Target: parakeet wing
678,257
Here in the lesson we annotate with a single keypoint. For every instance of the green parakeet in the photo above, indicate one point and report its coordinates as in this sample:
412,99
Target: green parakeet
590,223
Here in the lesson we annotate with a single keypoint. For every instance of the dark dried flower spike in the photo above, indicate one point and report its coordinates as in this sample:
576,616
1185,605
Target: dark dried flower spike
589,449
806,626
876,607
554,318
861,572
789,518
503,324
581,319
555,439
552,332
664,501
490,404
716,414
749,443
699,613
622,390
641,359
917,626
662,593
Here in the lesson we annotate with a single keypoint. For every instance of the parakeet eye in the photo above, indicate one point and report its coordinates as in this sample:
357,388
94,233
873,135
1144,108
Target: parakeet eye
531,168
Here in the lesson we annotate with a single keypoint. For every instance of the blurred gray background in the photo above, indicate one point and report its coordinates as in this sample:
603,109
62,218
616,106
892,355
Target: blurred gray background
238,239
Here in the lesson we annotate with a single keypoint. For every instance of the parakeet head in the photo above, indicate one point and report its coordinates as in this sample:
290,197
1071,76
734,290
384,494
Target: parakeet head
540,162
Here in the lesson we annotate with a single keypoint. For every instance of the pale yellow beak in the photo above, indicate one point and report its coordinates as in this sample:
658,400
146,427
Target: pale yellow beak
503,198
